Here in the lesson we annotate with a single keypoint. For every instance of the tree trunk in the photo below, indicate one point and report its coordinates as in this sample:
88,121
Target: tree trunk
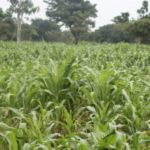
43,39
139,40
76,36
76,40
19,17
18,29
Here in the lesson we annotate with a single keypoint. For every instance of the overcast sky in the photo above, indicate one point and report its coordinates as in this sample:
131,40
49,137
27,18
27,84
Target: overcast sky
107,9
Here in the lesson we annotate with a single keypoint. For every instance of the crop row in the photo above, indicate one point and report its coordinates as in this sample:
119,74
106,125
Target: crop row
86,97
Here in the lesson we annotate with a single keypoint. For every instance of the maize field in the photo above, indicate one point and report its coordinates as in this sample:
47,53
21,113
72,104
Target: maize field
66,97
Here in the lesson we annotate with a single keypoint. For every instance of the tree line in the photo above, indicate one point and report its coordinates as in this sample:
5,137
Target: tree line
124,29
77,16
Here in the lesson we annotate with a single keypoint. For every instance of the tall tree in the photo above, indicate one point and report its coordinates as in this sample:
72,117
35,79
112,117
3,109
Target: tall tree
123,18
74,14
143,11
21,7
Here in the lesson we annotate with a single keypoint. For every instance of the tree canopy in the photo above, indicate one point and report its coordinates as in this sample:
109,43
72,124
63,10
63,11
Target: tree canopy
123,18
143,11
75,14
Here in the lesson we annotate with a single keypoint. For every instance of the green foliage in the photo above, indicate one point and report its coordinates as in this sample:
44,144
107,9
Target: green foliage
139,29
28,32
124,18
7,26
111,33
74,14
55,97
89,36
67,37
21,7
143,11
47,30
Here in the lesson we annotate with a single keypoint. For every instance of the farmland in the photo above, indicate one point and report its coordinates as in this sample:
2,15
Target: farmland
66,97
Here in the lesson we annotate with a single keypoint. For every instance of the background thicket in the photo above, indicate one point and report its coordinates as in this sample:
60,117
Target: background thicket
78,23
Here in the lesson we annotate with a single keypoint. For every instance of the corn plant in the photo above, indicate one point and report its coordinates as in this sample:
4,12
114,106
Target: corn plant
65,97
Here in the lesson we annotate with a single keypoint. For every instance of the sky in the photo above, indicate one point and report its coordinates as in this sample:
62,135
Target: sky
107,9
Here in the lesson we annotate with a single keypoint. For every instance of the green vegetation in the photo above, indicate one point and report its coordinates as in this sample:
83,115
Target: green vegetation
65,97
7,26
77,18
47,30
123,18
139,29
143,11
76,15
21,8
